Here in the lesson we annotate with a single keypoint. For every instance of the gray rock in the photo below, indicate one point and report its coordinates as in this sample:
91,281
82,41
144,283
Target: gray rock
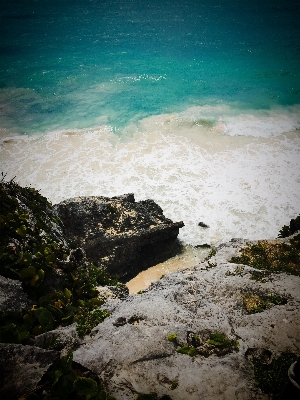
119,234
130,352
119,292
12,297
60,339
22,367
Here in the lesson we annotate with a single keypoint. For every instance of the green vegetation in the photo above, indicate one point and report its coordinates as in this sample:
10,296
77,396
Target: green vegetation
215,343
212,253
60,288
218,344
31,253
286,231
255,303
237,272
273,257
196,340
260,276
62,381
218,340
210,265
87,318
172,337
273,378
221,341
189,350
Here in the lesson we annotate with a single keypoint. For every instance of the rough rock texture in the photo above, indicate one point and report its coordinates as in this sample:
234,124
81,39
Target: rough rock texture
12,297
112,292
22,367
130,352
61,339
119,234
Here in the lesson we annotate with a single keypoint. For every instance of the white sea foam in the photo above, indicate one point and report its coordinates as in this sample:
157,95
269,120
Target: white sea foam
257,123
241,186
137,78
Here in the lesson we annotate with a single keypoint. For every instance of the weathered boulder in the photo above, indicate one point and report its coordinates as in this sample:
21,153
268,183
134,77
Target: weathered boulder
131,353
63,339
119,234
12,296
22,367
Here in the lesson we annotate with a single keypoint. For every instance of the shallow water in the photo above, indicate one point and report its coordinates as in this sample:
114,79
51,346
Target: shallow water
189,257
116,62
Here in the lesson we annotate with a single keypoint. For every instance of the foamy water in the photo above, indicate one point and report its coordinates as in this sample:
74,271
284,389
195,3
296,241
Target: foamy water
240,174
192,104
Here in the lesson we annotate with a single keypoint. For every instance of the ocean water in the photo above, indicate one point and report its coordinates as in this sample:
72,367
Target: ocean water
194,104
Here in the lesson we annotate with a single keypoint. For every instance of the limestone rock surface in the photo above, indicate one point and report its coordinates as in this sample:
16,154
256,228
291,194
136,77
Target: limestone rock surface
119,234
22,367
131,353
64,339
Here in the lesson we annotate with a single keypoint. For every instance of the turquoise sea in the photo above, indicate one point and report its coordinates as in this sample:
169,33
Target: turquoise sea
195,104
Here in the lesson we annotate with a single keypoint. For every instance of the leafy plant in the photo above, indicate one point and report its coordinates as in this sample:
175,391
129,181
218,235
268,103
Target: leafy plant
284,231
87,318
13,332
31,253
62,382
87,278
86,386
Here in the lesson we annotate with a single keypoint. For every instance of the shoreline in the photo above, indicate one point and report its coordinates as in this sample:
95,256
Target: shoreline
242,186
190,257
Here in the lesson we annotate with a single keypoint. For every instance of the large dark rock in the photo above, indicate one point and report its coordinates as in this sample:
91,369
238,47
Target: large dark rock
119,234
22,367
12,296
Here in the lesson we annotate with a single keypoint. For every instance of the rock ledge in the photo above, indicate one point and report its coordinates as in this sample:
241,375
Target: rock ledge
119,234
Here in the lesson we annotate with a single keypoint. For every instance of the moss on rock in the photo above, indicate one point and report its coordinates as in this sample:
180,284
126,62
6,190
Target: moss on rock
272,256
273,378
